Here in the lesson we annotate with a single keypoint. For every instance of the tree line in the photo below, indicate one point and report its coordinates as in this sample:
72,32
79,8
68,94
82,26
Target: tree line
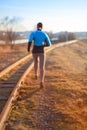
9,35
62,36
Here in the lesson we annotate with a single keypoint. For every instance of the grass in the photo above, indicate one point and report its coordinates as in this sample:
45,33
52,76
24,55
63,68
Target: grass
62,104
9,56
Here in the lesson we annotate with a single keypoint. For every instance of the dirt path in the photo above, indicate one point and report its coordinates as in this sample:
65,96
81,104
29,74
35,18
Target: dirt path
62,104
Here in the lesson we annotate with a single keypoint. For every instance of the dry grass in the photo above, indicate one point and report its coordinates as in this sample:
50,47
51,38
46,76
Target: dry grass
9,56
62,104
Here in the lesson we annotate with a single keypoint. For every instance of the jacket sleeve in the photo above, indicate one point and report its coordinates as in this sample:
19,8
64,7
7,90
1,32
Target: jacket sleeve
31,37
30,41
47,40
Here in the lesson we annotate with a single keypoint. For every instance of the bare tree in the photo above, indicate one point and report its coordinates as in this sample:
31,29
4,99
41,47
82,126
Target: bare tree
71,36
66,36
7,25
62,37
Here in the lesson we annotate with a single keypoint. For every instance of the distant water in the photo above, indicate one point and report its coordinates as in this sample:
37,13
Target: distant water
2,42
16,41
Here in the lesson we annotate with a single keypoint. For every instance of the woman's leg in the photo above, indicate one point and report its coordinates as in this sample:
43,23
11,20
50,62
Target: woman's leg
35,58
42,67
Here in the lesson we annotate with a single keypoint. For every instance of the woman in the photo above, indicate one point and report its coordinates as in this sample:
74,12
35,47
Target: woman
41,40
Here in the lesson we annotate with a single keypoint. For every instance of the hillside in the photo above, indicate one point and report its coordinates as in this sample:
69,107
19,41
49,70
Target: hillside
62,104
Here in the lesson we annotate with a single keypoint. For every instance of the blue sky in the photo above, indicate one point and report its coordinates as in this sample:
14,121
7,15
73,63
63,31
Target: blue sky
56,15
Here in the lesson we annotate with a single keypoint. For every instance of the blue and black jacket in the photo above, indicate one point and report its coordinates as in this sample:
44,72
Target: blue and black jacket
40,39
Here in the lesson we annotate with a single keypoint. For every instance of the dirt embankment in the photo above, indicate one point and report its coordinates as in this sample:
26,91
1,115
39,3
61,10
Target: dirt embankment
13,48
9,54
62,104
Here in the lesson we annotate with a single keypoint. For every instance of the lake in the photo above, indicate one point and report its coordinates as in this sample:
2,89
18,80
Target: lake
16,41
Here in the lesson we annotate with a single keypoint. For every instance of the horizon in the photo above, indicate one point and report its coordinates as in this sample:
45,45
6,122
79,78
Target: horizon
56,16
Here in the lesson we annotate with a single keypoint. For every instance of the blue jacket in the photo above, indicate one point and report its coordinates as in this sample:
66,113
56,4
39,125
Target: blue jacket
39,38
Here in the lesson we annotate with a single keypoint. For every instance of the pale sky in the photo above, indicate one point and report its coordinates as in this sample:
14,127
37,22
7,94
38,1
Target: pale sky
56,15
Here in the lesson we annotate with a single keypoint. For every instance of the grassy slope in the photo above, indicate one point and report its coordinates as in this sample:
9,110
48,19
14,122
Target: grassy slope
62,104
10,55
